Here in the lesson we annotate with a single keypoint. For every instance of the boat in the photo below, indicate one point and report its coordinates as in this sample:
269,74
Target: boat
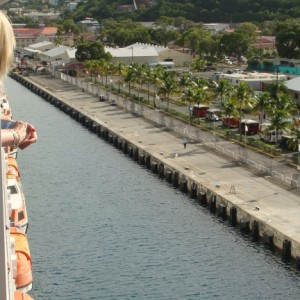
23,272
16,201
12,167
21,296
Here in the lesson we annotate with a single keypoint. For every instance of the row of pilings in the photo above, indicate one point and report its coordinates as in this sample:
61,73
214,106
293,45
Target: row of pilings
216,205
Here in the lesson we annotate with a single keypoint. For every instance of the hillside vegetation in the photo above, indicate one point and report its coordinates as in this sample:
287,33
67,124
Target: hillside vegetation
196,10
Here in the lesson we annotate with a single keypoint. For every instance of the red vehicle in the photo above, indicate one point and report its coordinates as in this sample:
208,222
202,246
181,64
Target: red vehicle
249,126
231,122
200,110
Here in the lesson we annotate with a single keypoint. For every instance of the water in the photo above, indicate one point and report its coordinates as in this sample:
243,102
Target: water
102,227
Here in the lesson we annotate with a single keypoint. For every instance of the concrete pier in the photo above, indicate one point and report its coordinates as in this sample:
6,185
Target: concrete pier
267,211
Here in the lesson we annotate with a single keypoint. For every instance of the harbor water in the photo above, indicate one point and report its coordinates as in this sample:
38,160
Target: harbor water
103,227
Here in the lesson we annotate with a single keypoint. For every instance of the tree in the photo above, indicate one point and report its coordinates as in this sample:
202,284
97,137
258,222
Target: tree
138,75
293,142
68,27
249,30
92,66
223,88
188,96
279,122
157,74
167,86
199,92
120,69
262,104
234,44
245,98
229,107
147,77
287,39
58,40
92,51
129,78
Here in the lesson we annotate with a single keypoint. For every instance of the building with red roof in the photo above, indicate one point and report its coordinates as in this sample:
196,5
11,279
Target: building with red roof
27,36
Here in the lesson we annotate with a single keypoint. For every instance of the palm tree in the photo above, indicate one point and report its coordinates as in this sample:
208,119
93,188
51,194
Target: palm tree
293,141
188,96
279,122
229,107
129,78
280,109
277,87
156,77
147,77
58,40
138,72
184,80
93,67
222,89
167,86
120,68
245,98
262,105
102,70
200,93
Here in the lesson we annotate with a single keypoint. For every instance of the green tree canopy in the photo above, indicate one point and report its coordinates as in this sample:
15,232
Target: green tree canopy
288,39
234,44
91,51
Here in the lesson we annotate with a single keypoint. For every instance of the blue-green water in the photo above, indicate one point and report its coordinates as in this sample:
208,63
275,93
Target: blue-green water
102,227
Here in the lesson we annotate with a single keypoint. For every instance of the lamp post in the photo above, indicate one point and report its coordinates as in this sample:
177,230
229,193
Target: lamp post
246,130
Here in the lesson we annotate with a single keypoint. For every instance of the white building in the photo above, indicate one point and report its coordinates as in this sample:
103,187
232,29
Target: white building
72,5
256,80
141,55
216,27
166,55
36,49
293,86
60,53
54,2
41,16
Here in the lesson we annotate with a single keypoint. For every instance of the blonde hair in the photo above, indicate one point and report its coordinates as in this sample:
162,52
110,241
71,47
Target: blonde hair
7,45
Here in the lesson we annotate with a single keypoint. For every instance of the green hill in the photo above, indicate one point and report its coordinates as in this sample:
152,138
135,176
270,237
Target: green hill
196,10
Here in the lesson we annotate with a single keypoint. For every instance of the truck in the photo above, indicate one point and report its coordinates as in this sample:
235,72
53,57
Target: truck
200,110
250,127
231,122
273,136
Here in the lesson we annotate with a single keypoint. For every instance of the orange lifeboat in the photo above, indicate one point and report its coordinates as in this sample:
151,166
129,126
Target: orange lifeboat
23,277
17,207
21,296
12,167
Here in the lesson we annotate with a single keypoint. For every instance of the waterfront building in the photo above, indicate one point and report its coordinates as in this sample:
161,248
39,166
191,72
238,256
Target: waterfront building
27,36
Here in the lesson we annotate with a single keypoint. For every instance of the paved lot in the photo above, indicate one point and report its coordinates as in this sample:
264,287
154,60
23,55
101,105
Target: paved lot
275,206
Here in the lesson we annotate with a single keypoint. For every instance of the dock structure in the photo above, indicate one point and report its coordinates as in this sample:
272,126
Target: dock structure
267,211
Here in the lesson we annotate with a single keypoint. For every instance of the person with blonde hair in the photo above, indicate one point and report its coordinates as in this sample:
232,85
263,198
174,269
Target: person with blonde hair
21,134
